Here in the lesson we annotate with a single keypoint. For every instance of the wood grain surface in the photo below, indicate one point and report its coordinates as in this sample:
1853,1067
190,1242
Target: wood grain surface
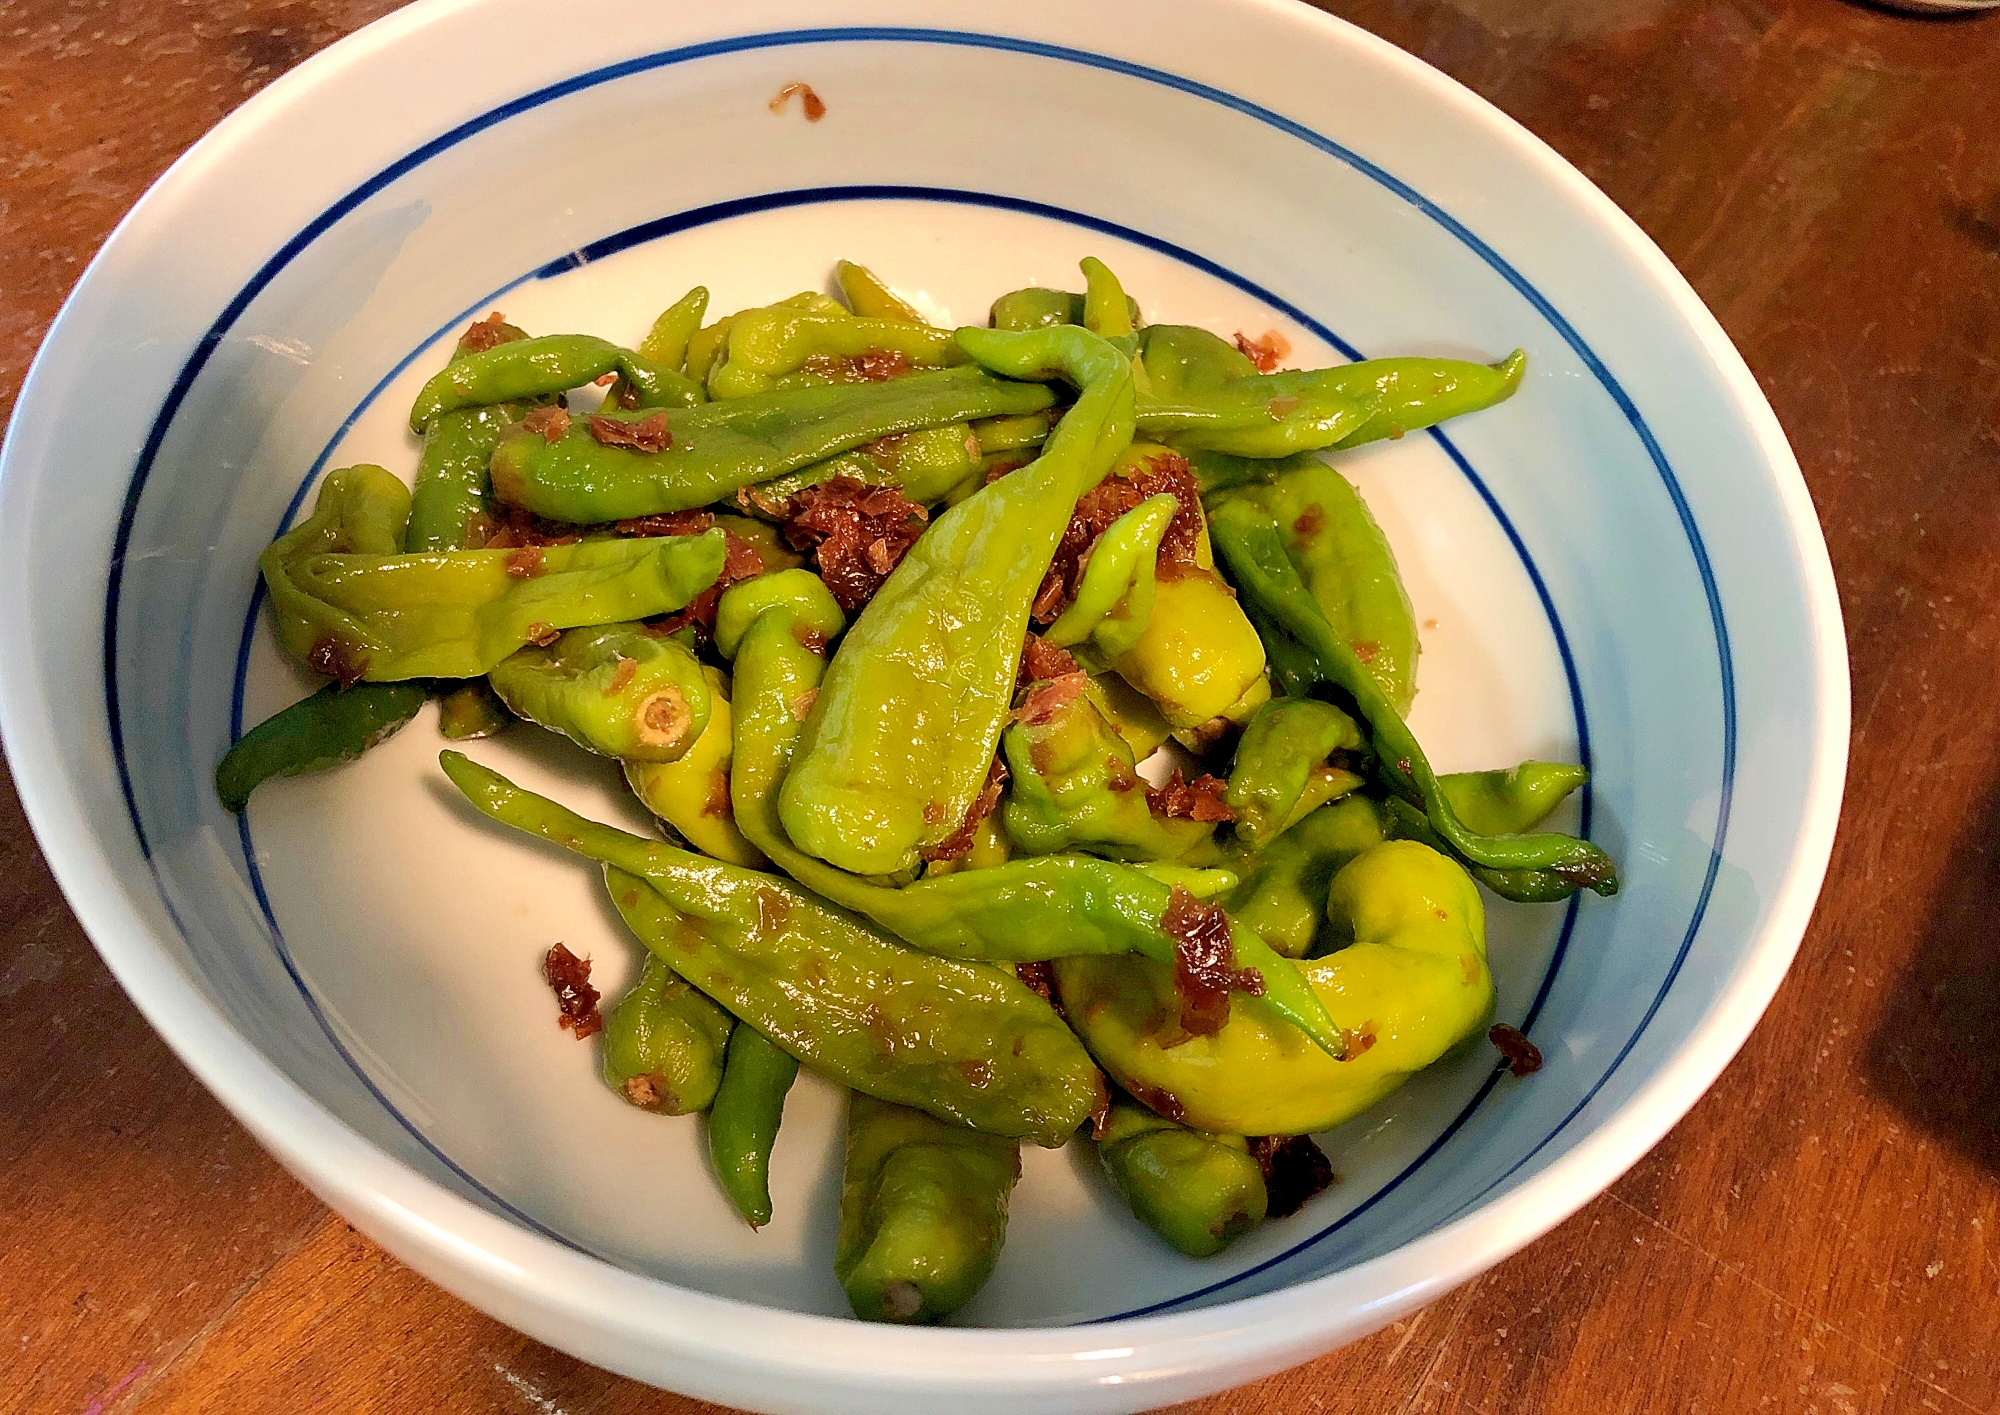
1822,1233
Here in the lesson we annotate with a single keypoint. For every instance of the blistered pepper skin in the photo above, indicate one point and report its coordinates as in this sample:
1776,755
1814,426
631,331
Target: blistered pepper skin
616,689
1198,1191
1250,541
1411,985
923,1213
1020,910
964,1041
1075,787
664,1043
1284,768
903,729
1348,566
716,448
459,613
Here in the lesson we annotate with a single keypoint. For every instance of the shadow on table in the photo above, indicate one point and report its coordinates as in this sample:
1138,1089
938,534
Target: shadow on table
1935,1054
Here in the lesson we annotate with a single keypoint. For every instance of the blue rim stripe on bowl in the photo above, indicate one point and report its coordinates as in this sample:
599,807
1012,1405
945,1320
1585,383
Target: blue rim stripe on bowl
210,340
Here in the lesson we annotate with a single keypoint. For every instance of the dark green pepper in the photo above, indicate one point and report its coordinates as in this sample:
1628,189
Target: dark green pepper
1346,562
332,726
1198,1191
743,1122
1499,803
448,504
664,1043
1250,543
923,1212
708,452
964,1041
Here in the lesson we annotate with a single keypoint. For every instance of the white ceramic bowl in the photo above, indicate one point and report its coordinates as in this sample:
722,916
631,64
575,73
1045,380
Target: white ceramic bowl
1621,562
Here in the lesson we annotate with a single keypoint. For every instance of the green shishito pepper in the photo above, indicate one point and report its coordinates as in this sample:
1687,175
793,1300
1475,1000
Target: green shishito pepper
448,502
1249,541
743,1122
332,726
710,451
692,794
1198,1191
1282,895
900,737
1114,601
1498,803
456,614
1076,787
869,297
1022,910
1202,396
616,689
664,1043
1346,562
964,1041
1037,308
542,366
666,343
924,465
1282,772
765,345
923,1212
1412,985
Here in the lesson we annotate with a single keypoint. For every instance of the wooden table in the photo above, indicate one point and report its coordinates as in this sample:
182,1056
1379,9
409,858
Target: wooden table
1821,1234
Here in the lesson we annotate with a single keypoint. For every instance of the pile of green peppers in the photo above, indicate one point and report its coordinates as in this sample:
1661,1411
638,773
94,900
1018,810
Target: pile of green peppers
929,849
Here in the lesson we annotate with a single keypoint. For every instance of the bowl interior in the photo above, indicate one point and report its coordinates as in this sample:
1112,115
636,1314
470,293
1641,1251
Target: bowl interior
1580,558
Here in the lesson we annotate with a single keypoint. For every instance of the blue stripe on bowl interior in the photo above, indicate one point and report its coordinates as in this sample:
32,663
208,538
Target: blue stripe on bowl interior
198,359
722,211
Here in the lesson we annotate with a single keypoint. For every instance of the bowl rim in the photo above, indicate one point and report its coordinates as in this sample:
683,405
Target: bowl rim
548,1288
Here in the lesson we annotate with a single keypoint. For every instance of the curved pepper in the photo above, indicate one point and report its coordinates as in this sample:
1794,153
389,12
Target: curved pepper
923,1212
1018,911
712,450
332,726
616,689
1130,712
764,345
1036,308
964,1041
1346,562
1411,394
1499,803
663,1044
545,365
1114,601
1411,986
692,794
666,343
456,614
1197,393
1250,543
1107,310
904,727
1282,893
1198,1191
1283,769
743,1122
448,502
869,297
1075,787
800,591
1198,658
